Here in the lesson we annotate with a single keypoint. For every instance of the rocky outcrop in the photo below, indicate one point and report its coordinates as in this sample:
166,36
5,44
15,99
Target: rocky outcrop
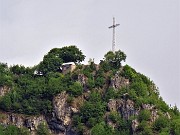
83,80
124,107
154,115
4,90
118,82
61,109
60,122
19,120
112,105
153,110
134,125
148,106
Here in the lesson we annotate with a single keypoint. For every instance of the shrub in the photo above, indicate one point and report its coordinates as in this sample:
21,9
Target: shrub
75,89
144,115
42,129
160,123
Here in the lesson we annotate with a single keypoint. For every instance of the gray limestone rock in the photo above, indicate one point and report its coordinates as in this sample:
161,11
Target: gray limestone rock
118,82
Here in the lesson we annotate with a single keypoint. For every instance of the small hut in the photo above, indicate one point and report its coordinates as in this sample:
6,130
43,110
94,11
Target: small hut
68,67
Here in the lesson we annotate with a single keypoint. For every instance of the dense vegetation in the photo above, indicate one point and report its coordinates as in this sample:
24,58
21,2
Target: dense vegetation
32,91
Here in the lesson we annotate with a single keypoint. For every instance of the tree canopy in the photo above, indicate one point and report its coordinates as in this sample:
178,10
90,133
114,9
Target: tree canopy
115,58
56,56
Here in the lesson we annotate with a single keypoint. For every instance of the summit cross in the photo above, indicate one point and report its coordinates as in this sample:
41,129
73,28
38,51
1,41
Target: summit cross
113,38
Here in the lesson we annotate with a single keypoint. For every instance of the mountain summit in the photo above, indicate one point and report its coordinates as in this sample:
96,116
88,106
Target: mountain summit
61,96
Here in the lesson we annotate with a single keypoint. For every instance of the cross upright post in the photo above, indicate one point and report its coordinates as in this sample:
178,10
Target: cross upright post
113,38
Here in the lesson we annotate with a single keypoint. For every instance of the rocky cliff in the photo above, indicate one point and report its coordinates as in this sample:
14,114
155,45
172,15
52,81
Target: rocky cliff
91,100
19,120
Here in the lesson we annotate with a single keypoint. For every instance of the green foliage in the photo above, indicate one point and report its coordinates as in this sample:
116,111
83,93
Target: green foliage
16,69
115,59
144,128
13,130
95,97
42,129
144,115
50,63
55,57
162,105
77,122
110,94
33,95
114,117
140,88
99,81
75,89
5,75
69,54
92,110
129,73
6,103
160,123
175,126
90,83
101,129
55,84
87,71
32,91
105,66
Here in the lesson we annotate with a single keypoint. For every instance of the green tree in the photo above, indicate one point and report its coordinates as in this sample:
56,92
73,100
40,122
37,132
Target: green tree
50,63
55,57
115,59
71,54
68,54
18,69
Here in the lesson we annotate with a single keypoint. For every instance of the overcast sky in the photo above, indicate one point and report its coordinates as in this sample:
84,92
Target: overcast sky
148,34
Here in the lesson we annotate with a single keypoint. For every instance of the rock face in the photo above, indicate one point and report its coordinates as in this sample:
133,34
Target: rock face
124,107
4,90
62,111
153,110
61,119
134,125
30,122
118,82
83,81
154,115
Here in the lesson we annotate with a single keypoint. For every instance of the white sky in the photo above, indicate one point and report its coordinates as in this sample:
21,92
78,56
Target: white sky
148,34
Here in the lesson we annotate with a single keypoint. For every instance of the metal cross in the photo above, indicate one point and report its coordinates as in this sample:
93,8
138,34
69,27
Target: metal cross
113,40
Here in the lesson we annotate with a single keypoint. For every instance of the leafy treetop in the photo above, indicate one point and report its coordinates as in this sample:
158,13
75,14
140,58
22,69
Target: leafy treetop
55,57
